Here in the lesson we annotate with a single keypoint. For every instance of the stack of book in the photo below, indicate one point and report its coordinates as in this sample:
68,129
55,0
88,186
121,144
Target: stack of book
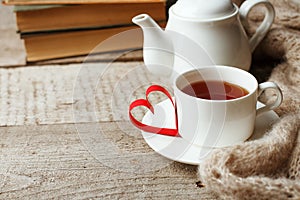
63,28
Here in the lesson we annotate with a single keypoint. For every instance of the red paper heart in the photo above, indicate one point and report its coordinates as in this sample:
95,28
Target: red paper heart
147,104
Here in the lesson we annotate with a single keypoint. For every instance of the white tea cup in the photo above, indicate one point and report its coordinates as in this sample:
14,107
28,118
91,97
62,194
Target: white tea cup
218,123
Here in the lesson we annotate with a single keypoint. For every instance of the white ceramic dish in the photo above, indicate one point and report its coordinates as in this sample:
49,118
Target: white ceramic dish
180,150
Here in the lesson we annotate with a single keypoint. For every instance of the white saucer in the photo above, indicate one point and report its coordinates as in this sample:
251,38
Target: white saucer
178,149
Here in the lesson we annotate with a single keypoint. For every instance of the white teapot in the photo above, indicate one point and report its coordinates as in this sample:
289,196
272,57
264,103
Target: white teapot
202,27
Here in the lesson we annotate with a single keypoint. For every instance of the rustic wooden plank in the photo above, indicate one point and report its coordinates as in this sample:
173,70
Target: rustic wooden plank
51,161
71,93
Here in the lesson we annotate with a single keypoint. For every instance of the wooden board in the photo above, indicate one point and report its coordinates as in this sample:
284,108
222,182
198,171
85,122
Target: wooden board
45,150
39,162
85,92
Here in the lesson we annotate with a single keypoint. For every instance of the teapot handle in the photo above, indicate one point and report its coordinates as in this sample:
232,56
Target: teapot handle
264,27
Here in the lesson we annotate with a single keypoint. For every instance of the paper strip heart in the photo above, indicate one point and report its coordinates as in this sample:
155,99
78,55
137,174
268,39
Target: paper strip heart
147,104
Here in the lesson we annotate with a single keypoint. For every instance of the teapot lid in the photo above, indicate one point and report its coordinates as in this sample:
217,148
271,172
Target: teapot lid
203,9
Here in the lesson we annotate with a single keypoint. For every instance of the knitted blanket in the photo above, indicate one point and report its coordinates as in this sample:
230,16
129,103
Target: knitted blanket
267,168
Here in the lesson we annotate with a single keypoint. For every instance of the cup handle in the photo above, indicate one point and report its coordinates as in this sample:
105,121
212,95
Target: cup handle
264,27
269,85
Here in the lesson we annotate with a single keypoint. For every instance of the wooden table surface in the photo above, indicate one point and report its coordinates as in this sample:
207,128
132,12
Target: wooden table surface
50,133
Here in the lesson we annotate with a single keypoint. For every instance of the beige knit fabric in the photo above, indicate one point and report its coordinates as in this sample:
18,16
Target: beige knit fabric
268,168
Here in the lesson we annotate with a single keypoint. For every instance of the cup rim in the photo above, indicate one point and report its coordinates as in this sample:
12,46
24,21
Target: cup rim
212,100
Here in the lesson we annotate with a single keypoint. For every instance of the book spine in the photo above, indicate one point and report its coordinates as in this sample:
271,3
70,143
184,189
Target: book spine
85,16
54,2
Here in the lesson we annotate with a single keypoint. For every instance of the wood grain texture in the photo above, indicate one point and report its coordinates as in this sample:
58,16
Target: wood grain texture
45,154
86,92
73,160
50,161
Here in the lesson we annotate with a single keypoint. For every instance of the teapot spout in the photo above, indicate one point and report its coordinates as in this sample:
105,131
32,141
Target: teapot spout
145,21
158,47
